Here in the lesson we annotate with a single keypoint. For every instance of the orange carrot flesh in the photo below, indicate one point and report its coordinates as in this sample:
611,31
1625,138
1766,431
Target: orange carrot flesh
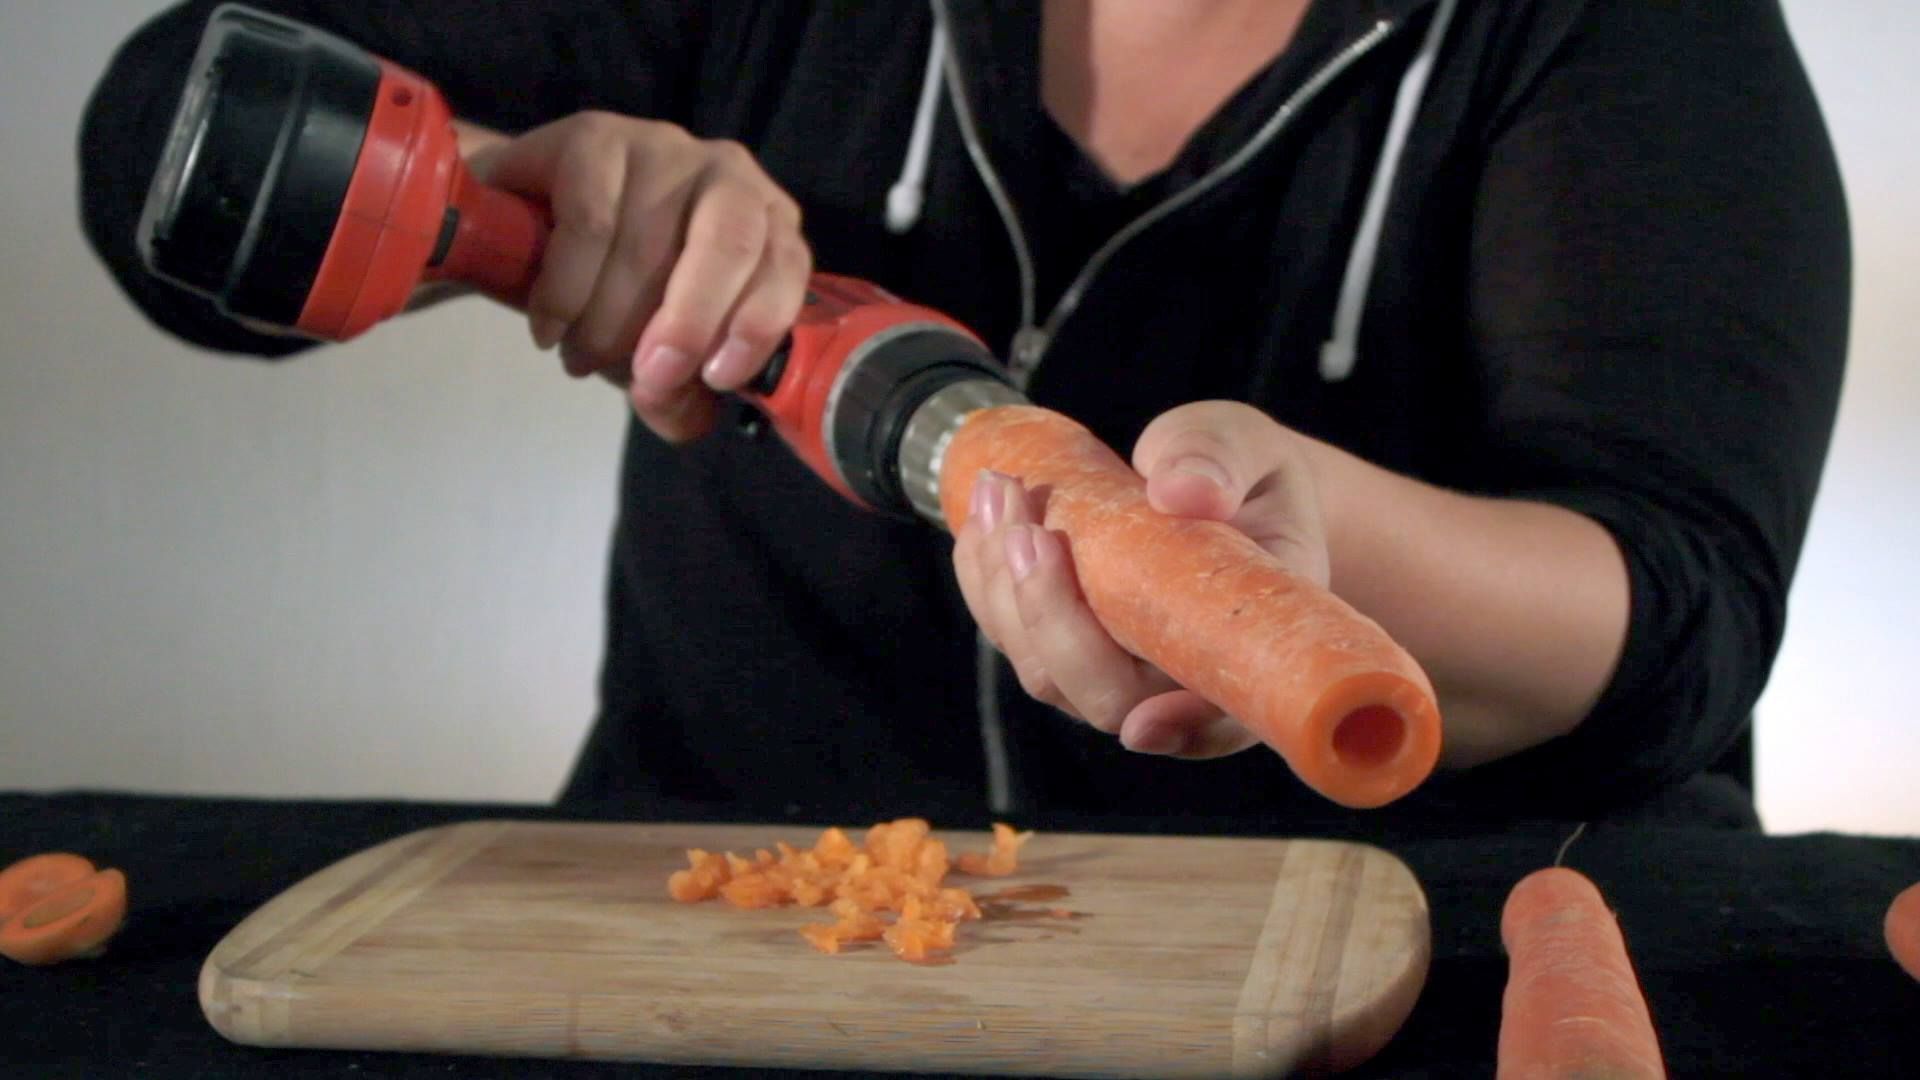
1351,712
1903,929
73,921
30,880
898,868
1572,1006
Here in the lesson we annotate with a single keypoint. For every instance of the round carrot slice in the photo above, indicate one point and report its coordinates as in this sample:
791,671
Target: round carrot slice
73,921
33,878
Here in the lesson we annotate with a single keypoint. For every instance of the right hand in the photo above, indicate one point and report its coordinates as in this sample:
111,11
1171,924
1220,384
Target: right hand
675,267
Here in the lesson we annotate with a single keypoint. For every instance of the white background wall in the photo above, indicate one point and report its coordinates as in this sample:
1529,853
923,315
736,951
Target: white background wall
377,570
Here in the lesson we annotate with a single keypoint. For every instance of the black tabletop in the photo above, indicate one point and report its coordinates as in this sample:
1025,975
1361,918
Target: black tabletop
1760,955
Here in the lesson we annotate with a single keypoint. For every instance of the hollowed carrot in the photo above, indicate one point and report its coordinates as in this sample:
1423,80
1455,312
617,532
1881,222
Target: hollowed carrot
1903,929
1350,711
31,879
1572,1006
74,920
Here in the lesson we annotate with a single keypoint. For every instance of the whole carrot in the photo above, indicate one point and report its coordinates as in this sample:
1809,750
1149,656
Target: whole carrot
1902,929
1350,711
1572,1006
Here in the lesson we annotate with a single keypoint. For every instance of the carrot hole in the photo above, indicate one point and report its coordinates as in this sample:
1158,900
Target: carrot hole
1368,737
402,96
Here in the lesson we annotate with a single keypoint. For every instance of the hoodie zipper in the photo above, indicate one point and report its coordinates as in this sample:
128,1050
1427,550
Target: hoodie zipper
1031,342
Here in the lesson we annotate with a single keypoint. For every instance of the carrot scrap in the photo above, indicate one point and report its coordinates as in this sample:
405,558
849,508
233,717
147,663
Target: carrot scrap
58,907
1004,859
1902,929
899,867
1351,711
33,878
1572,1006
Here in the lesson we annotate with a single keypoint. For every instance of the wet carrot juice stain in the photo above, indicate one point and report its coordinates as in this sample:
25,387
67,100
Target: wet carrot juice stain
1027,892
1005,905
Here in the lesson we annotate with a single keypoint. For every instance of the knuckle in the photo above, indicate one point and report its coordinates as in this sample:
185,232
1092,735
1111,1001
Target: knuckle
784,210
595,123
790,253
667,135
731,155
585,195
735,235
1035,682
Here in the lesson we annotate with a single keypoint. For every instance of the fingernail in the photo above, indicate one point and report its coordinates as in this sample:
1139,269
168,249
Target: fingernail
1201,467
729,364
546,331
1010,494
661,369
1020,551
986,500
1159,741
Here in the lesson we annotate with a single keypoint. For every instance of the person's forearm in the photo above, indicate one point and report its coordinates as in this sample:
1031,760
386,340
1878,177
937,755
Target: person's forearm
1517,610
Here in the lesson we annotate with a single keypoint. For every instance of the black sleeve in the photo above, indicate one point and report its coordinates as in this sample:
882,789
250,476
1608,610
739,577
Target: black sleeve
1659,300
509,66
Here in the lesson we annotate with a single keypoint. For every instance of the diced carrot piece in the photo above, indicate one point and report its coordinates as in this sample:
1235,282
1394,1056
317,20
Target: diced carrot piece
862,927
684,887
834,847
899,868
822,936
930,864
752,891
955,904
906,942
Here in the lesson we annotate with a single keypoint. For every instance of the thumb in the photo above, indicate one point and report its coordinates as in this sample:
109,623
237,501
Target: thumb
1193,462
1206,459
1227,461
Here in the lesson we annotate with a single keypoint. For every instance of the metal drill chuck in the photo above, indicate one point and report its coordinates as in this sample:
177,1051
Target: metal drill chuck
923,443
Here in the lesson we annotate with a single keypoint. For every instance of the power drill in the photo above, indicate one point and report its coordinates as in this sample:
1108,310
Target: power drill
312,186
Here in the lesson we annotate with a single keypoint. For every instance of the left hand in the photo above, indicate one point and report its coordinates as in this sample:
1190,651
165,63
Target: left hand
1217,460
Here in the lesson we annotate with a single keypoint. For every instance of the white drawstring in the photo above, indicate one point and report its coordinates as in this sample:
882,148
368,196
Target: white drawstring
909,193
1339,354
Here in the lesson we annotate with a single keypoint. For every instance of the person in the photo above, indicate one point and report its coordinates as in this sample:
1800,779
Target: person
1522,326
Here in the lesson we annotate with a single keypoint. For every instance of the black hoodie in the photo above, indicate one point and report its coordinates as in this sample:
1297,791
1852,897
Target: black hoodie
1612,274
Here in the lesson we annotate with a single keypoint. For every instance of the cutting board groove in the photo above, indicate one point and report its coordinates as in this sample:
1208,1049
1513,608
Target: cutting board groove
1186,956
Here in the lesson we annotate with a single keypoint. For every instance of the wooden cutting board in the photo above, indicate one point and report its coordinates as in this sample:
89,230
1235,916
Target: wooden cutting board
1180,957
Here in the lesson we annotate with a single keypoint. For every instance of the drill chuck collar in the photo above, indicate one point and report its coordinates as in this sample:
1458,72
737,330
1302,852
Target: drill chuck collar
891,412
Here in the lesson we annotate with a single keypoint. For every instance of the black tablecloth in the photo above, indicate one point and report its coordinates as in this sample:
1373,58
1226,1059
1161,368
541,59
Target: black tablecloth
1761,956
